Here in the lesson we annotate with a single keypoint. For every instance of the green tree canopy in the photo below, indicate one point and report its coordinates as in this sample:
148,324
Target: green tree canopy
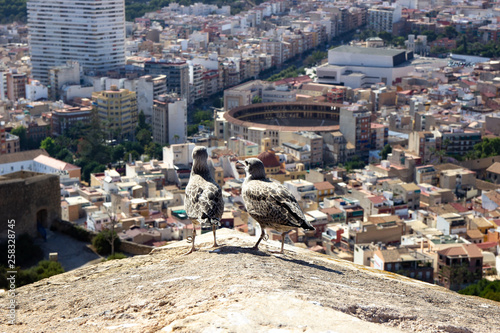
24,142
385,151
450,32
431,35
144,137
256,99
50,146
485,289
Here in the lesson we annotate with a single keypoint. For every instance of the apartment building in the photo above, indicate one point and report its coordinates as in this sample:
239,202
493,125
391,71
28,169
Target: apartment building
9,143
90,32
117,111
62,75
177,76
68,116
169,119
355,125
382,18
16,86
459,266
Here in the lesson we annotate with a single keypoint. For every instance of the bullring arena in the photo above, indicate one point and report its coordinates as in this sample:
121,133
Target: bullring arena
256,121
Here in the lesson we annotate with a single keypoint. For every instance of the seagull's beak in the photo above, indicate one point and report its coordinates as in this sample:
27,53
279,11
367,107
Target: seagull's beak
240,165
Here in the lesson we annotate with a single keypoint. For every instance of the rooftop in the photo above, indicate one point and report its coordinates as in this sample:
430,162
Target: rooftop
27,155
56,164
369,51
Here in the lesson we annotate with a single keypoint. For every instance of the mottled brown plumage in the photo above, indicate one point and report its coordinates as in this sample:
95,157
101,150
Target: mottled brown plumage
204,203
269,203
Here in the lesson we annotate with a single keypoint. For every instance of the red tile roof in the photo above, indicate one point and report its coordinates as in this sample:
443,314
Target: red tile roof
459,207
486,245
323,186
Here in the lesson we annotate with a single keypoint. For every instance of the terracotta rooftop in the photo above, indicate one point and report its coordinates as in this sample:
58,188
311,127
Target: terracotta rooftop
321,186
331,210
474,234
54,163
22,156
470,250
486,245
269,159
494,168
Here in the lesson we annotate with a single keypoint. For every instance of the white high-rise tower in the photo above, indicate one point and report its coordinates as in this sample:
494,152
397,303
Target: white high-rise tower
91,32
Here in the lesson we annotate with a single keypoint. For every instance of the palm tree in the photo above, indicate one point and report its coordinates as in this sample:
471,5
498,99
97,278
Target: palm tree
471,155
439,153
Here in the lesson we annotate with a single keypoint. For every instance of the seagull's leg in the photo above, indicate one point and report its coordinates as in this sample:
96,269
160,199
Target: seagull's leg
191,240
283,235
214,228
282,241
256,246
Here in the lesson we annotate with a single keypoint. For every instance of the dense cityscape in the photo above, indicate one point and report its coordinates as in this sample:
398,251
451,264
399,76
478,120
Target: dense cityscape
382,119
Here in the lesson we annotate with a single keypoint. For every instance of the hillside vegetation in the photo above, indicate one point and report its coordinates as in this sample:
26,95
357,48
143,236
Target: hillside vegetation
12,11
15,10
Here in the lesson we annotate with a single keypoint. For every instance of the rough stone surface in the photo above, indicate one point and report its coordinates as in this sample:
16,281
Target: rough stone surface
23,194
236,289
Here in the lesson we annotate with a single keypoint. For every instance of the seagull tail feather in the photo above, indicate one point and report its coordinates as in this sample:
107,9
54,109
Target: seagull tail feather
210,220
307,226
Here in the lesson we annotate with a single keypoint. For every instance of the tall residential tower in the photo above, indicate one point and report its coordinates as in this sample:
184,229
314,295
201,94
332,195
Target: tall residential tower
88,31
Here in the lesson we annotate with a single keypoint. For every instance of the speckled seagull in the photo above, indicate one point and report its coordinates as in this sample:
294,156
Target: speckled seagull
204,202
269,203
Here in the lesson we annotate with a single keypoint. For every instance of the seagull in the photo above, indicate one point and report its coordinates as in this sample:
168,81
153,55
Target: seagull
270,203
204,203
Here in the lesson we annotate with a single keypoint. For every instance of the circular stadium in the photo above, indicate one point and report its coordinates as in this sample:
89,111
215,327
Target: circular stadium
288,117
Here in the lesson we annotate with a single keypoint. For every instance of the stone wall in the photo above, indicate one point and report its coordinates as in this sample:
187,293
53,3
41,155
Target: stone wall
480,165
134,248
27,196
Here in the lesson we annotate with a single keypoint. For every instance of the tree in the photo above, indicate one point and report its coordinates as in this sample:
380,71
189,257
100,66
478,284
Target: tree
398,41
354,163
439,153
201,115
50,146
431,35
176,138
385,151
144,137
141,123
386,36
118,153
101,243
438,50
450,32
218,103
154,150
464,44
256,99
20,131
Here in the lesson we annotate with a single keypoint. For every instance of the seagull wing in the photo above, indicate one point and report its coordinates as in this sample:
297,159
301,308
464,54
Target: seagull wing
204,199
271,202
289,206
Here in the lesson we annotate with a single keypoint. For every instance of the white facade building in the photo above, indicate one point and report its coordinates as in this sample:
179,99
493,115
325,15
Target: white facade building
60,76
170,120
382,18
40,163
3,84
35,91
359,67
178,154
91,32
